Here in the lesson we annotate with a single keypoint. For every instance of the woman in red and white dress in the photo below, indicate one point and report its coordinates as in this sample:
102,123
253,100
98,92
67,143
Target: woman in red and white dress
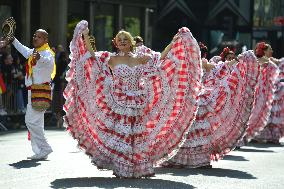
274,130
127,111
267,121
224,108
218,67
264,93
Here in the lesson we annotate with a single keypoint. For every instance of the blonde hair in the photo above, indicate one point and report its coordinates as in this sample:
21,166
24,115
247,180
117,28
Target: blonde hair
129,37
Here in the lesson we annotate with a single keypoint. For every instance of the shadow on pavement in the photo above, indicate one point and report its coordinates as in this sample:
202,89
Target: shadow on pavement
26,164
102,182
234,158
253,150
216,172
264,145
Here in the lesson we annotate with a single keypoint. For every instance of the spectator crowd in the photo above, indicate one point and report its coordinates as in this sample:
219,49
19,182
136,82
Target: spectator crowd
13,93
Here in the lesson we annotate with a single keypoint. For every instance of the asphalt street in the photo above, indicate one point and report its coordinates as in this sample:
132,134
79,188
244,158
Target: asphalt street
257,166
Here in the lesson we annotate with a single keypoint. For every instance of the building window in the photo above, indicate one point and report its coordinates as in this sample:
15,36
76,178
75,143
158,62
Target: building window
103,31
132,25
132,19
265,11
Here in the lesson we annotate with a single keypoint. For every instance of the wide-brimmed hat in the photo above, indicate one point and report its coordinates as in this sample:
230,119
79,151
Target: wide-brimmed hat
9,28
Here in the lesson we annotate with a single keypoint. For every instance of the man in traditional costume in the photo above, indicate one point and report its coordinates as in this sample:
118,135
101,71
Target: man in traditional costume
39,71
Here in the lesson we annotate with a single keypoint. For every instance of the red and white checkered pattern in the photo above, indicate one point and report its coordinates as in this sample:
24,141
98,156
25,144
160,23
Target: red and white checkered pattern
274,130
157,129
224,109
263,100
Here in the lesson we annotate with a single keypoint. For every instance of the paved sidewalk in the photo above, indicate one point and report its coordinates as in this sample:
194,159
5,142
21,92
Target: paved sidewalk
256,166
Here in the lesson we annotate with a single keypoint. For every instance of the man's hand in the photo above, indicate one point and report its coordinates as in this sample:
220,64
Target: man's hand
36,55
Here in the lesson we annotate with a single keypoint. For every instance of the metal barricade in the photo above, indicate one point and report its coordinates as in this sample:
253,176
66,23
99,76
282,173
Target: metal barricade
15,116
10,100
12,116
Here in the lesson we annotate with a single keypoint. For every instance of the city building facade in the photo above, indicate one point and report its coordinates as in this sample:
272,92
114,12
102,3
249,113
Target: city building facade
214,22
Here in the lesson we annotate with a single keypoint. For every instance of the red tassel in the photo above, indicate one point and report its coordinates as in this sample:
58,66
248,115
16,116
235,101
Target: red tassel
29,135
2,85
27,70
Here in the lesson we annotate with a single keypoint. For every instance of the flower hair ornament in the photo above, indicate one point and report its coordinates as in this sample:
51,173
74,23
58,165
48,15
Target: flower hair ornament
260,48
225,52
